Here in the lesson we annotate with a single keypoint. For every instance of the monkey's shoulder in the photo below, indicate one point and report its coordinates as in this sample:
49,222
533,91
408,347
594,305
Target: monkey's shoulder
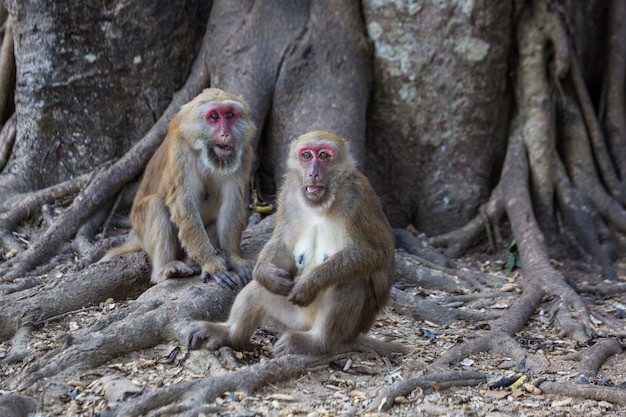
364,213
357,196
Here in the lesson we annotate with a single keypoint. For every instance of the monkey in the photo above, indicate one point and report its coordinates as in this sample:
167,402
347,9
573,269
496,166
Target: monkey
328,267
189,211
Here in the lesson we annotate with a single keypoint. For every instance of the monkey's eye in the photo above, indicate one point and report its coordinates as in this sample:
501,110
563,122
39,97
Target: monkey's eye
306,155
214,116
230,115
324,155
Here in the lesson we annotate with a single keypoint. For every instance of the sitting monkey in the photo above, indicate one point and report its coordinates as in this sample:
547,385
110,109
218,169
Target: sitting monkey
328,268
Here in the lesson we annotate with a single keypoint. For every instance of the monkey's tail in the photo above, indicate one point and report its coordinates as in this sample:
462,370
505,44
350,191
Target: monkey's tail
132,244
370,345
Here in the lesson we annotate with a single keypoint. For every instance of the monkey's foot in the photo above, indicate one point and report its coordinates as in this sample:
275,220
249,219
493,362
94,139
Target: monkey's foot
298,343
215,334
179,269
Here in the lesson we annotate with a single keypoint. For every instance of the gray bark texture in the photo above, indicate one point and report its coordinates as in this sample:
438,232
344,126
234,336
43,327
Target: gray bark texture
301,66
92,78
436,123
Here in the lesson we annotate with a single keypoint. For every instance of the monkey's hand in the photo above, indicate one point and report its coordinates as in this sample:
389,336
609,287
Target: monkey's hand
303,293
273,278
218,270
242,267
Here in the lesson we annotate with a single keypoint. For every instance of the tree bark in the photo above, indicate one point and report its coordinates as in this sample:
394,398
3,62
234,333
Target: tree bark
440,101
301,66
85,93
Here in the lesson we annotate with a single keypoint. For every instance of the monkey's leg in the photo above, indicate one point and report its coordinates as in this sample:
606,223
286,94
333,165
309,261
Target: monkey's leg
338,320
252,305
160,241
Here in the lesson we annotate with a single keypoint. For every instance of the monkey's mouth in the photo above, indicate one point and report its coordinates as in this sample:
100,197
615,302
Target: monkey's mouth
313,190
222,150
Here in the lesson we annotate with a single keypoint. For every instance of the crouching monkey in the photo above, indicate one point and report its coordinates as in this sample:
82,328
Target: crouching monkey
327,269
189,212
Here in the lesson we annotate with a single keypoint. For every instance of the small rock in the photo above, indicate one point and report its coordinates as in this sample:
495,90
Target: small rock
561,403
282,397
605,404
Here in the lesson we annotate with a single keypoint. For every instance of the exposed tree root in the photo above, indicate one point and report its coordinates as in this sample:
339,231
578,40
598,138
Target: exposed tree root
177,399
19,206
592,358
19,349
58,295
600,150
421,310
547,176
455,299
533,252
581,166
488,220
158,315
406,241
603,290
500,340
439,381
411,269
611,394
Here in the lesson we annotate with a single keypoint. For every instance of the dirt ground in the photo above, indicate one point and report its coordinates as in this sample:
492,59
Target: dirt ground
348,385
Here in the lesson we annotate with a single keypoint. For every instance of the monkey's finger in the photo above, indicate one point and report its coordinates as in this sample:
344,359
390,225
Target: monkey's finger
284,286
245,273
226,279
195,338
195,341
222,278
273,270
298,299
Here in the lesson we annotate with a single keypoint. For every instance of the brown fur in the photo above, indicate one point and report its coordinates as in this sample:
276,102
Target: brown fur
327,269
189,211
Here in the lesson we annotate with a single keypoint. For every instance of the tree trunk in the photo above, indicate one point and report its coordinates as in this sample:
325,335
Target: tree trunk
301,66
86,92
438,118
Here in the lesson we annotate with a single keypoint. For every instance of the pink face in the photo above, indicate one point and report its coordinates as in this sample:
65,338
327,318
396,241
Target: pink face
315,161
222,119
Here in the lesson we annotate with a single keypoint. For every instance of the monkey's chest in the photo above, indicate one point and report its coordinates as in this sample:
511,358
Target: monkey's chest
210,203
209,208
316,243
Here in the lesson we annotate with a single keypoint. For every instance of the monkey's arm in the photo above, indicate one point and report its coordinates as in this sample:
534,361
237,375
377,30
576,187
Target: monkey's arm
231,222
275,268
185,214
371,248
346,265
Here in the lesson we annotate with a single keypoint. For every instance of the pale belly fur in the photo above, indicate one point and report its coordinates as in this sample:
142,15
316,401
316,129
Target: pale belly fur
317,242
